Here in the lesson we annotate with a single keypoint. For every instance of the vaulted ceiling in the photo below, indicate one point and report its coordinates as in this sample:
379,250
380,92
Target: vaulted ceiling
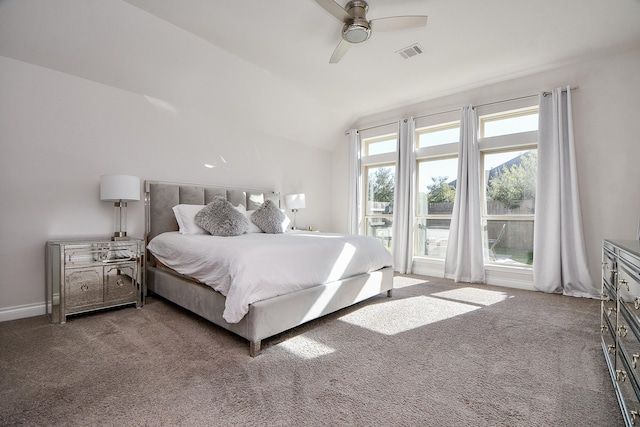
268,61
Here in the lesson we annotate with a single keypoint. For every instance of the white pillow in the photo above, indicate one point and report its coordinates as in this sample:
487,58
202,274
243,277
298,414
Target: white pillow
186,218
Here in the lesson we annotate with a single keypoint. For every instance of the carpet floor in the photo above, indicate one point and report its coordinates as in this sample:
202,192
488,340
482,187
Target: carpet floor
437,353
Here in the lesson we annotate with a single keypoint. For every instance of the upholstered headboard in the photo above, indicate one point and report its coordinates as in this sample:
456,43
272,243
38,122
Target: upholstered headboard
161,197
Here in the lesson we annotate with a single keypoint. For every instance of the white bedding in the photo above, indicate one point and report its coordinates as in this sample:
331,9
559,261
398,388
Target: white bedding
258,266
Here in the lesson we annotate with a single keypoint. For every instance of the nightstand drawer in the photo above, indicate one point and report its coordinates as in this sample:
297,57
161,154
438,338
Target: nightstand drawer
119,282
83,288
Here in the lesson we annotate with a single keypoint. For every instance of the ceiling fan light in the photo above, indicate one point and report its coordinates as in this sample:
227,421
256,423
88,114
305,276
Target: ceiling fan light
356,33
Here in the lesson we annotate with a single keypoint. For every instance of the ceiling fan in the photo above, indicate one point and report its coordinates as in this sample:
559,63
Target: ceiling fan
357,28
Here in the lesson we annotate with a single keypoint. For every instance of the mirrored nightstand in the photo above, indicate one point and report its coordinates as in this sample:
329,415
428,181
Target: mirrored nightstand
88,275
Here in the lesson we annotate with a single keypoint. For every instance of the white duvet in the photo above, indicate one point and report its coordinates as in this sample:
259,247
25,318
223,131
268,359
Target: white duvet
257,266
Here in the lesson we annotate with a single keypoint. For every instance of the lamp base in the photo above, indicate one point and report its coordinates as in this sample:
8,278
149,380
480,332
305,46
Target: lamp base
120,221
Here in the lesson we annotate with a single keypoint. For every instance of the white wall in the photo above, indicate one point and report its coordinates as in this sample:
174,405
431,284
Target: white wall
607,131
59,133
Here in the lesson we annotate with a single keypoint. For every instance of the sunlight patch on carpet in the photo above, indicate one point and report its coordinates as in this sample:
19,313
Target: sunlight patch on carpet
306,348
403,282
473,296
394,317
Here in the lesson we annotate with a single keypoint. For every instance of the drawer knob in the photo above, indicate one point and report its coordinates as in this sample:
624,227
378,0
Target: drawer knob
634,360
611,349
603,328
611,310
605,296
634,415
636,302
120,283
621,375
84,287
622,331
625,283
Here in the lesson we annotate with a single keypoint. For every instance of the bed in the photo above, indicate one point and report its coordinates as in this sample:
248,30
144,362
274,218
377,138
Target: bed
267,316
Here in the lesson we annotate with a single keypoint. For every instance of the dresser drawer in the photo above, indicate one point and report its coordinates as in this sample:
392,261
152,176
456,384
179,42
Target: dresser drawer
628,389
629,336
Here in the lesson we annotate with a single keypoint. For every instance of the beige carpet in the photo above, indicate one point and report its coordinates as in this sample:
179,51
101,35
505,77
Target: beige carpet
435,354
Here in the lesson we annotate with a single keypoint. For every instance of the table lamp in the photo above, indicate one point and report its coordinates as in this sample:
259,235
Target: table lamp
120,189
295,202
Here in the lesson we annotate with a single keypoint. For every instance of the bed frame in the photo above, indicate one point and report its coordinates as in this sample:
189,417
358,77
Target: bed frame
265,318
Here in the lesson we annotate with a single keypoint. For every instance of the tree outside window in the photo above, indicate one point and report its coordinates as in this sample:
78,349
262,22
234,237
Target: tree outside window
510,190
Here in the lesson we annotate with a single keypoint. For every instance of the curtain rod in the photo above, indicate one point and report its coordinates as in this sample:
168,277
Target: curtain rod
545,93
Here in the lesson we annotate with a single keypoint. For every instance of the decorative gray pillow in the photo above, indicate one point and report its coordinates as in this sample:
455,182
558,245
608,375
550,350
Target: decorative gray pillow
220,218
269,218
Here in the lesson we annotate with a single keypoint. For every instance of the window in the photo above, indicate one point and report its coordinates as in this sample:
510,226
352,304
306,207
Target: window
381,145
509,123
436,173
437,135
379,202
508,163
509,186
379,149
436,193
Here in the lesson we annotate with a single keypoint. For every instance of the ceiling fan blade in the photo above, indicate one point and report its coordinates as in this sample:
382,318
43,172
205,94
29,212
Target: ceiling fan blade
339,52
396,23
335,9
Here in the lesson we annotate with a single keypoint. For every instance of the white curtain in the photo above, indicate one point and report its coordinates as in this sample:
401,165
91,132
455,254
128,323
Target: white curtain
464,261
559,256
355,182
402,229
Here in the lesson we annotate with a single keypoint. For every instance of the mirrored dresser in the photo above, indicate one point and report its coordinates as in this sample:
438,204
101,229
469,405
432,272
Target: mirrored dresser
88,275
620,322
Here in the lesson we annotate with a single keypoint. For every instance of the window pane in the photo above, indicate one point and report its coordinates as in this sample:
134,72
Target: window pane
436,186
432,236
509,242
381,145
510,182
380,188
380,228
509,124
438,135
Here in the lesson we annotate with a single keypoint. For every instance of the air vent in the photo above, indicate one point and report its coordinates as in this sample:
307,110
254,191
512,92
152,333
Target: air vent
410,51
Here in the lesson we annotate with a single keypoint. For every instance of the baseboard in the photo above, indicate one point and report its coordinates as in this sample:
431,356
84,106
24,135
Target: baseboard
22,311
508,277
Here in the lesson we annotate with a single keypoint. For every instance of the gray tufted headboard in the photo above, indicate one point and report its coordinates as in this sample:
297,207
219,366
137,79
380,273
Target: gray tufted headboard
161,197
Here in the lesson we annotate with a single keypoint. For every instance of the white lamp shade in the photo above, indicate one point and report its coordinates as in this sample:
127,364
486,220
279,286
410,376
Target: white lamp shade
119,187
295,201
